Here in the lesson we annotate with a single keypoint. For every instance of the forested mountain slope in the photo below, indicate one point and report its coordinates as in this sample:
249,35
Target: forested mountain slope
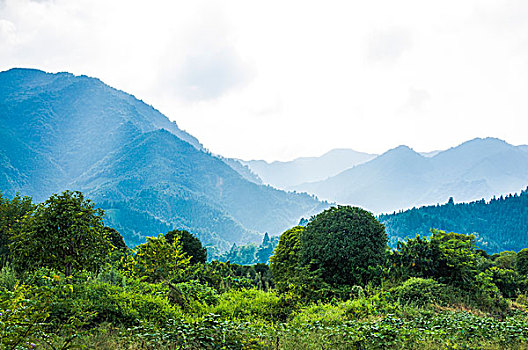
499,224
61,131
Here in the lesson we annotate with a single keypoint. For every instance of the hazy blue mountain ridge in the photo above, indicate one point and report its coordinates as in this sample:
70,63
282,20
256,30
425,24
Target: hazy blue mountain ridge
402,178
286,175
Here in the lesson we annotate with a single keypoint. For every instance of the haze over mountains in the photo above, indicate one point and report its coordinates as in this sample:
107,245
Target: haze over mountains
61,131
307,169
402,178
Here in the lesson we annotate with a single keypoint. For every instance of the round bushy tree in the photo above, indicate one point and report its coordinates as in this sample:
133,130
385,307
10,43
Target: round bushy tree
66,233
341,244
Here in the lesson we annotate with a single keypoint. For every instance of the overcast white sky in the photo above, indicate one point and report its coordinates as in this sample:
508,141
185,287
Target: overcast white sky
276,80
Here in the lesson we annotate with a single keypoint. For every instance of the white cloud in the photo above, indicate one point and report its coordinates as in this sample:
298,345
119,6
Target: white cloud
281,79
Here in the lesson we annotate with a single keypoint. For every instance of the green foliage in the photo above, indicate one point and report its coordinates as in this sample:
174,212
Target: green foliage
498,224
209,333
243,255
157,259
83,300
11,214
522,262
449,258
250,254
192,296
154,298
442,330
341,244
285,260
487,294
118,242
265,250
20,318
127,306
71,229
224,276
253,304
113,277
506,260
424,291
334,313
191,245
508,281
8,278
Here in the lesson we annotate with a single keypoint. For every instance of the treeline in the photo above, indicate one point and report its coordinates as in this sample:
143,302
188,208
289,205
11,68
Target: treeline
499,224
248,254
67,280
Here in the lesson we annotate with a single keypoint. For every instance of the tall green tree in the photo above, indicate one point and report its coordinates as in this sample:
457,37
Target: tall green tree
12,211
191,245
285,259
157,259
343,245
66,233
265,250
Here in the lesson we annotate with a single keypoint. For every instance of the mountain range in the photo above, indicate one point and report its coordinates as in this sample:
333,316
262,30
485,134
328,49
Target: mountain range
402,178
306,169
61,131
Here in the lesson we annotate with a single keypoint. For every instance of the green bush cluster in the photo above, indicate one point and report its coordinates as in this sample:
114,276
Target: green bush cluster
332,284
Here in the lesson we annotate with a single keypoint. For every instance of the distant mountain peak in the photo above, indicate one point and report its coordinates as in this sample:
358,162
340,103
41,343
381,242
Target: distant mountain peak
485,140
401,151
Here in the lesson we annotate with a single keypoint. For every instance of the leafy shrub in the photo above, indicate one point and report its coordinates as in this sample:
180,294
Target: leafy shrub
209,333
251,304
507,280
224,276
157,259
522,299
112,277
354,309
8,279
192,296
20,318
324,313
487,294
125,305
423,291
374,305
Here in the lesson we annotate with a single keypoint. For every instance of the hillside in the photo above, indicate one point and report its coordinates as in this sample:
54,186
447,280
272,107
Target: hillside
61,131
307,169
402,178
499,224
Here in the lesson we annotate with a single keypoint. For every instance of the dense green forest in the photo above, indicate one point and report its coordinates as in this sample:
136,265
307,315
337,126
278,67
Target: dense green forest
68,281
499,224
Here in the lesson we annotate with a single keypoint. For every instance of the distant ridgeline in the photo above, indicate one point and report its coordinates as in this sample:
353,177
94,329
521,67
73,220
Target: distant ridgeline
500,224
61,131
